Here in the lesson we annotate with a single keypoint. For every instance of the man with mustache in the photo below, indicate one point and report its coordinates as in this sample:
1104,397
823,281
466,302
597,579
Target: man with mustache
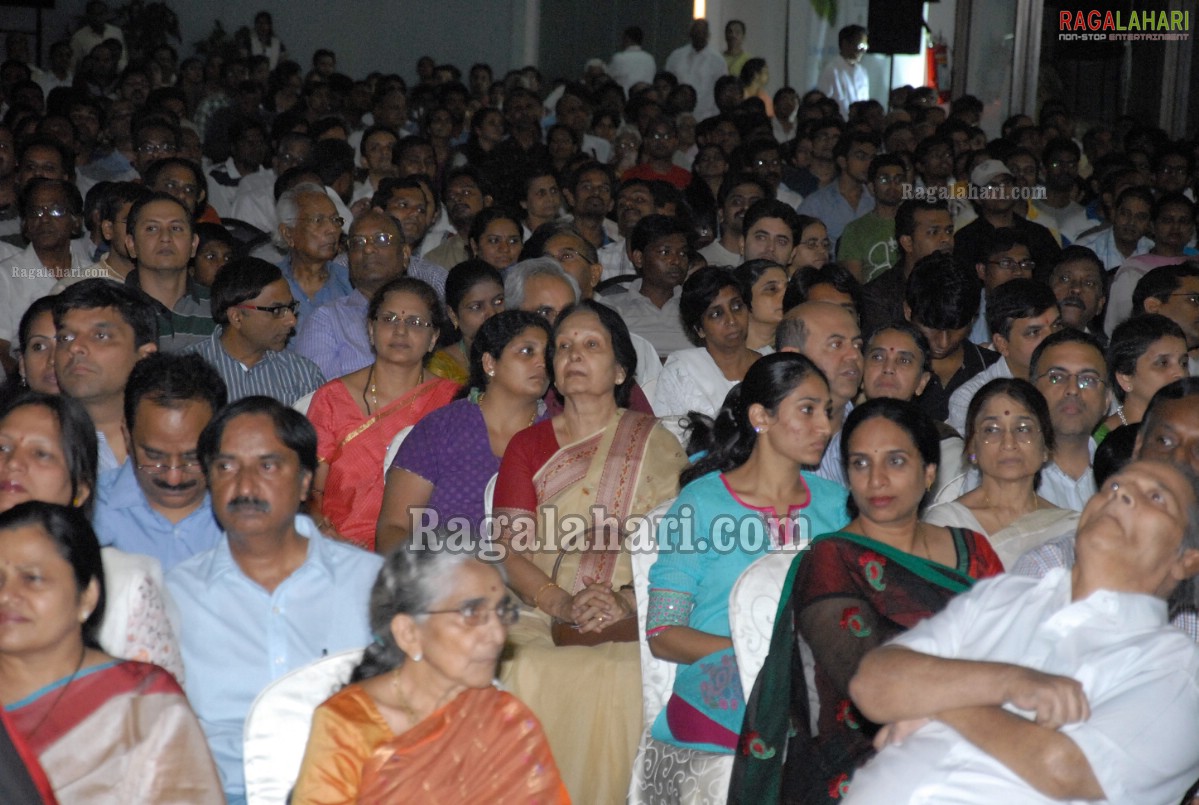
1069,368
1078,283
466,194
1072,687
255,317
158,504
274,594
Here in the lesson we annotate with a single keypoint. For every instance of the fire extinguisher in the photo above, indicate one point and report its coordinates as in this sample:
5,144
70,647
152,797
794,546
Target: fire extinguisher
937,56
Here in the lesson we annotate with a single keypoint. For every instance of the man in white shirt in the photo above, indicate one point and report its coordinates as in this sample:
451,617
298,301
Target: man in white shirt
95,31
844,79
699,65
631,65
1021,314
1071,687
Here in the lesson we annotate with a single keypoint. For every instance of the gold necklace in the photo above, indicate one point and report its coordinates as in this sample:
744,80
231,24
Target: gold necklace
532,419
373,392
402,702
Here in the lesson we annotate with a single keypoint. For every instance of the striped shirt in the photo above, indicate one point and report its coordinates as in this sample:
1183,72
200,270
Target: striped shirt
184,325
283,375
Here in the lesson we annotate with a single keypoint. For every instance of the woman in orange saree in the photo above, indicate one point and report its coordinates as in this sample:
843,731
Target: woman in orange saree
589,472
420,720
357,416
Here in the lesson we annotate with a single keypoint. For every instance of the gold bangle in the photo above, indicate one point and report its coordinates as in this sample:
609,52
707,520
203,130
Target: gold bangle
537,597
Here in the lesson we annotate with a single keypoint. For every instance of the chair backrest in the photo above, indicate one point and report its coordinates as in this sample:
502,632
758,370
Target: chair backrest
279,721
302,404
657,676
394,447
753,605
489,495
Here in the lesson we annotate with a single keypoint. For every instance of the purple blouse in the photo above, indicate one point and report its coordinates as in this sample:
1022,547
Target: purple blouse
449,448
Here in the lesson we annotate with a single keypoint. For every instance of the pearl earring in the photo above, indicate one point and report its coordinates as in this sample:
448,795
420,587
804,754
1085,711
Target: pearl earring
417,657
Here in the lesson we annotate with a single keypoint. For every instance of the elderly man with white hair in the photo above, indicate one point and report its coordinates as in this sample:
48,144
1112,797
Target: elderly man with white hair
310,230
1071,687
540,285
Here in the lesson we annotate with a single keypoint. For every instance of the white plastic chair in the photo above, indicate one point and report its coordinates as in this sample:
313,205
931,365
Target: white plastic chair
489,496
753,605
663,773
394,447
302,404
277,726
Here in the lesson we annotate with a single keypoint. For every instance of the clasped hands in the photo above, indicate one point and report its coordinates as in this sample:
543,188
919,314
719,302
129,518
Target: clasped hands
1054,701
595,607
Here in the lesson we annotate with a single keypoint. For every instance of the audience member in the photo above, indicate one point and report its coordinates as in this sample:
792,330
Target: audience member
255,316
1109,670
274,594
357,416
443,467
158,503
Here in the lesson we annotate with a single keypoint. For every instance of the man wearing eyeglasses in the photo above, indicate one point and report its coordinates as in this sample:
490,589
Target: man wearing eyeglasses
1005,256
868,246
255,316
334,337
158,504
51,212
1058,209
996,205
1078,283
310,231
1069,368
153,139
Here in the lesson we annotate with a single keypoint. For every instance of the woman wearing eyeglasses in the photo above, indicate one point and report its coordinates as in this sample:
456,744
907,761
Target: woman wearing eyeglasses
1008,438
420,719
357,416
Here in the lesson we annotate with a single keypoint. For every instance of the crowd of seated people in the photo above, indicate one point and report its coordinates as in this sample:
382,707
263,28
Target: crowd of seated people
445,375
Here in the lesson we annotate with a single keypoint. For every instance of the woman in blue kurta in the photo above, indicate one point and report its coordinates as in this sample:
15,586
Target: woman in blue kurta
749,494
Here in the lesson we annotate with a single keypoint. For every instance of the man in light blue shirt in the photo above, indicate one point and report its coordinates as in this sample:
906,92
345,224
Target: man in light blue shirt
275,594
848,198
334,336
157,504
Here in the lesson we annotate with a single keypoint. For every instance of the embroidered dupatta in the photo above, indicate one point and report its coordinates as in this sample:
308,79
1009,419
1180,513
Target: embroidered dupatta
854,596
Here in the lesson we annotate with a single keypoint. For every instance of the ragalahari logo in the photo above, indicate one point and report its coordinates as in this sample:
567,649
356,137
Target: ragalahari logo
1120,26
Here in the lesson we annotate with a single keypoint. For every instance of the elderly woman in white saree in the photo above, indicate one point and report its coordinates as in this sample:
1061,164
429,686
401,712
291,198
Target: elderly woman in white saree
1008,438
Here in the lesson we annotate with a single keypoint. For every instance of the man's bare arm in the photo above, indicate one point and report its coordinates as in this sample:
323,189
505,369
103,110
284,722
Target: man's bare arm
897,684
1046,759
